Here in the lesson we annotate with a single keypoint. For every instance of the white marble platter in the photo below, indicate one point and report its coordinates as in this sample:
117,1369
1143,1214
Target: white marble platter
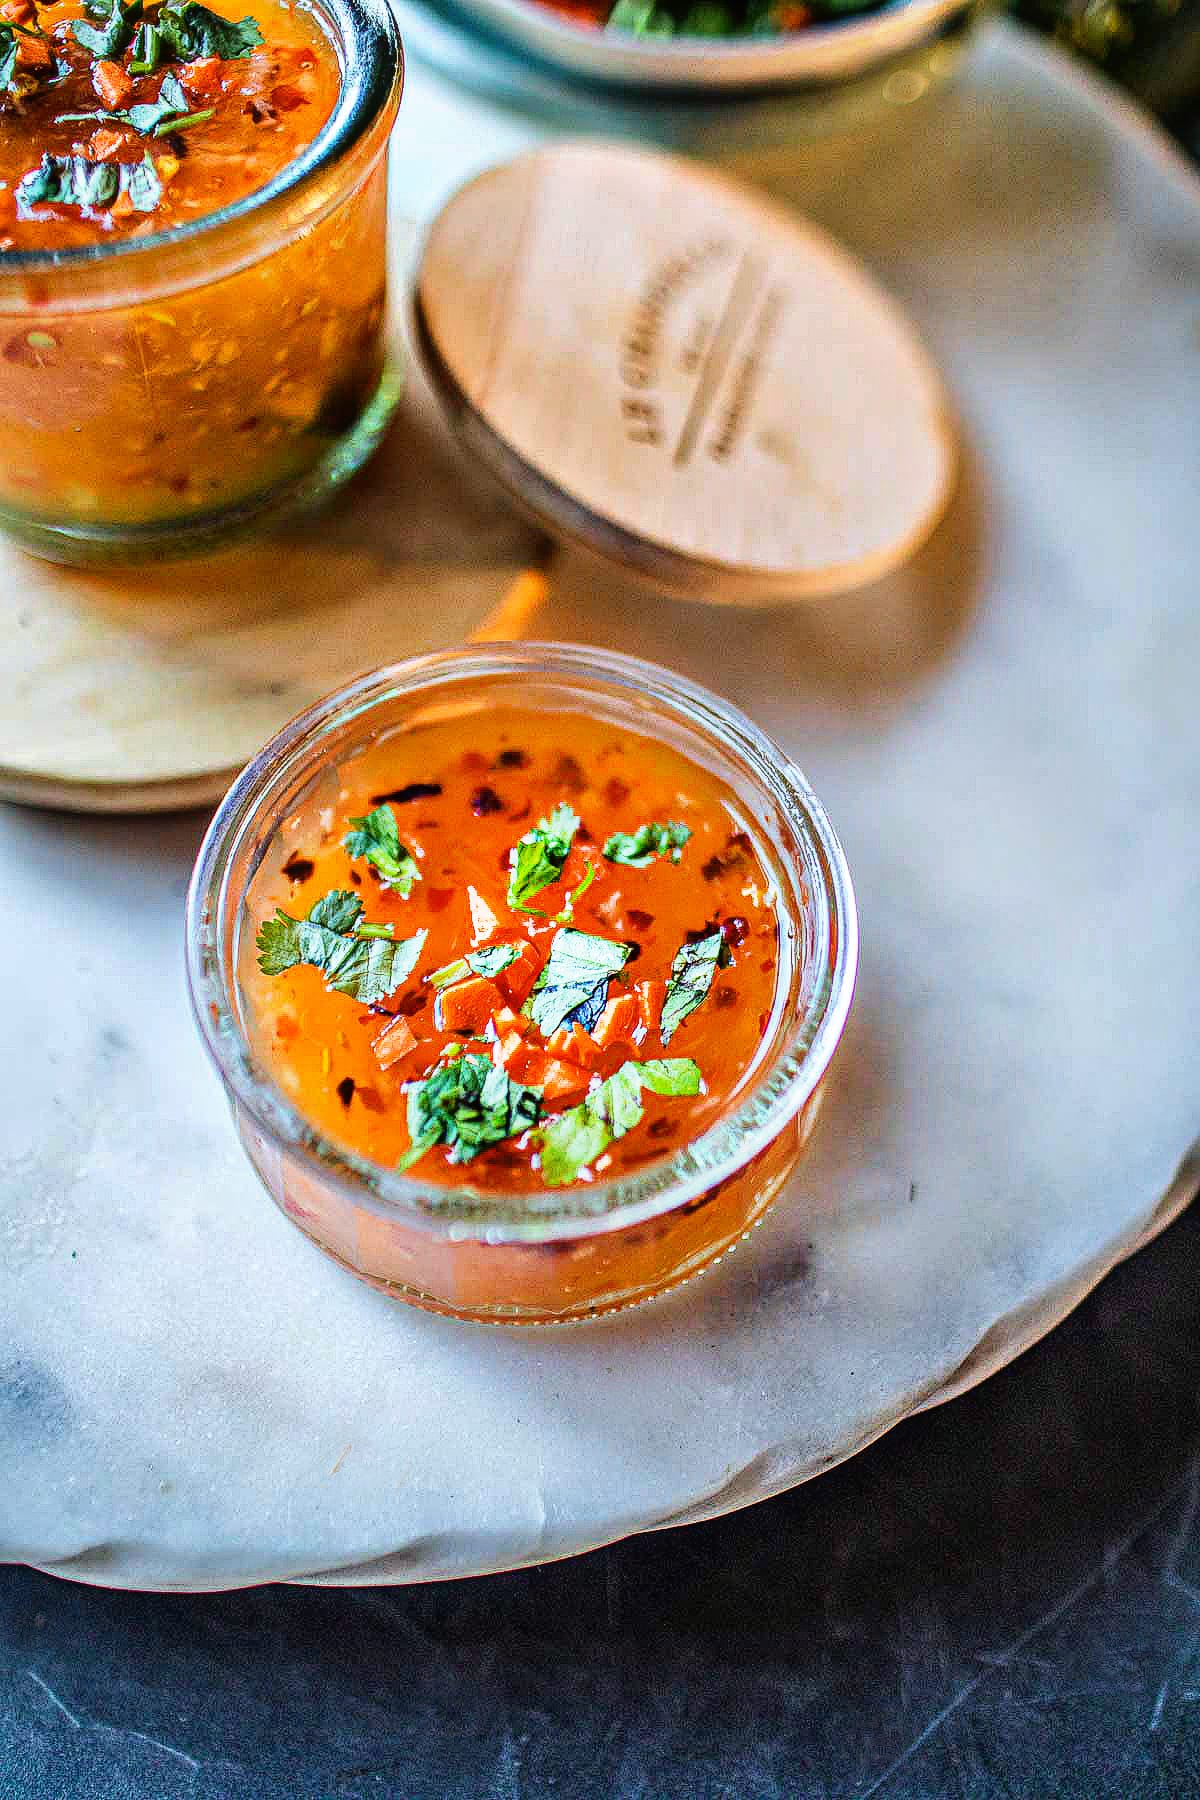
1007,736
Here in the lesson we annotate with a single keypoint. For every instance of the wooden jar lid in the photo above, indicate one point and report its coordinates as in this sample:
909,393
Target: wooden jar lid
661,363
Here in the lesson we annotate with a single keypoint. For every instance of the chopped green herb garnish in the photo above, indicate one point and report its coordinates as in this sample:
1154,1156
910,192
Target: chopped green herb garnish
111,29
468,1104
537,860
568,911
74,181
10,43
352,956
145,50
154,118
574,983
193,31
572,1140
376,836
486,962
639,848
691,977
140,181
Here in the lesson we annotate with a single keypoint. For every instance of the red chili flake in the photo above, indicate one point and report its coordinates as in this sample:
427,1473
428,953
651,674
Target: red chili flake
511,759
345,1090
427,824
736,930
371,1100
486,800
616,791
299,868
356,878
661,1128
725,996
767,964
472,762
249,424
415,790
735,852
413,1004
641,921
568,774
287,98
635,950
438,899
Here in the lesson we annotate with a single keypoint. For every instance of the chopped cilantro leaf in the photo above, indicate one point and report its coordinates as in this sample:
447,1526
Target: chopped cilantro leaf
572,1140
354,959
145,50
691,977
670,1075
154,118
376,836
140,181
338,910
574,983
639,848
486,962
193,31
112,28
538,858
74,181
468,1104
9,46
494,957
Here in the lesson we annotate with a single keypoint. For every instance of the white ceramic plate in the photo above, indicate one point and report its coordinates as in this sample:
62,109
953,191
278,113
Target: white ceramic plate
1007,737
819,55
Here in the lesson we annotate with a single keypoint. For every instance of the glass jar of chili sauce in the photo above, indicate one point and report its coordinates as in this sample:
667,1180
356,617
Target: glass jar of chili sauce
192,265
523,968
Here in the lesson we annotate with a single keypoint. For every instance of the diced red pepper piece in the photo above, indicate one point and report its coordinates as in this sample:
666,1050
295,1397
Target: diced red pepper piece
506,1020
573,1045
650,997
506,1048
112,84
202,78
560,1080
105,143
396,1041
517,980
618,1021
468,1005
34,53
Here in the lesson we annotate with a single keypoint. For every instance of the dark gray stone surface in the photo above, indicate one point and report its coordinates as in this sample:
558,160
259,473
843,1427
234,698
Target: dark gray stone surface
1000,1599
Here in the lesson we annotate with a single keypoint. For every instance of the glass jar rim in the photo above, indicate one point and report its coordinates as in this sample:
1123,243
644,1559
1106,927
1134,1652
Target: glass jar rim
782,1087
371,60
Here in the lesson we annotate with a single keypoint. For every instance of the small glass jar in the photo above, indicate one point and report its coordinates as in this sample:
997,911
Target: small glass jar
543,1255
160,395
